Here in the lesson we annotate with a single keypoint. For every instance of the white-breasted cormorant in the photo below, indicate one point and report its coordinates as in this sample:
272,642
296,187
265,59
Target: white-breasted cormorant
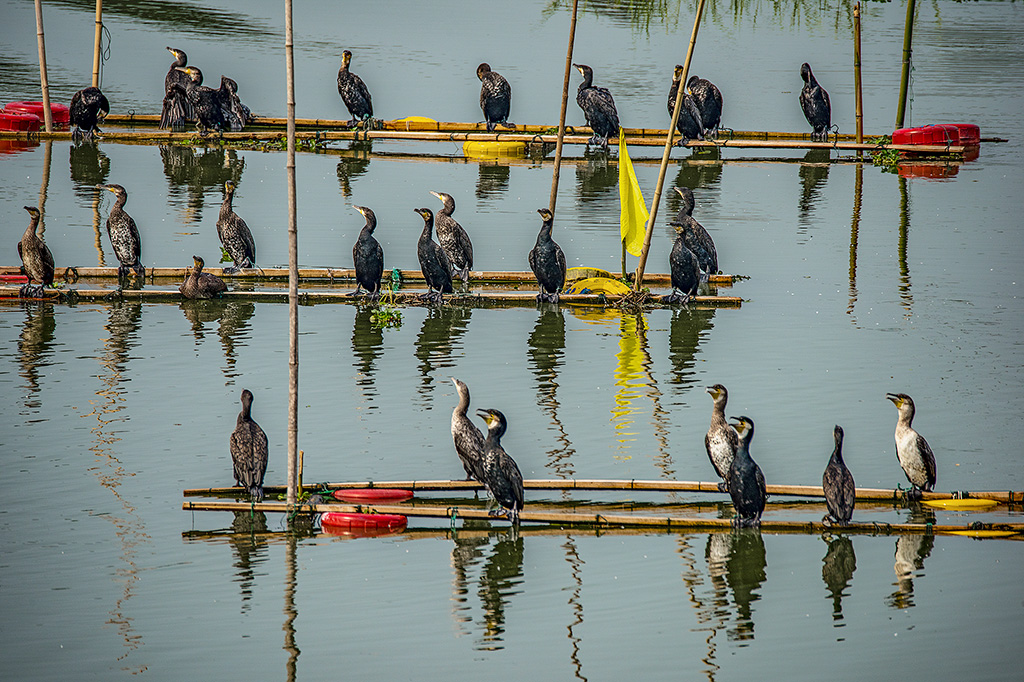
912,450
453,238
547,261
249,450
495,97
501,473
434,263
815,103
469,441
36,259
205,102
746,482
696,237
89,106
721,439
124,235
689,124
837,482
708,98
176,109
234,233
199,284
354,92
683,268
598,108
368,256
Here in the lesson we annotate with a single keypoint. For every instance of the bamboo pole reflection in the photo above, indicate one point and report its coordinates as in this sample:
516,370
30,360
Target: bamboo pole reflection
858,191
44,185
291,612
546,349
905,295
572,557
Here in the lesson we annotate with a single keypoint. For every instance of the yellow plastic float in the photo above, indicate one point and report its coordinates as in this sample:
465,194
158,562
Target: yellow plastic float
598,285
511,148
982,533
573,274
964,504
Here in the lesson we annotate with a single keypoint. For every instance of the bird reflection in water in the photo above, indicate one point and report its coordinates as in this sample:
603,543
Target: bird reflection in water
35,348
492,180
837,571
233,329
911,551
195,172
545,353
736,562
813,174
701,170
595,177
687,328
367,347
249,546
355,161
90,167
439,336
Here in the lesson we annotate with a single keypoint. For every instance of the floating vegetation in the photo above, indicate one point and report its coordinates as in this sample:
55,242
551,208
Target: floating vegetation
387,313
886,159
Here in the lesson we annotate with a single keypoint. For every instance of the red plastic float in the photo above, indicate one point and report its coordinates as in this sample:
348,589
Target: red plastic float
372,495
932,135
14,279
970,134
19,121
362,525
60,112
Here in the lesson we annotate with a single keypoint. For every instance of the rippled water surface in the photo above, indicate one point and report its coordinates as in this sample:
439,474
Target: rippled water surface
860,282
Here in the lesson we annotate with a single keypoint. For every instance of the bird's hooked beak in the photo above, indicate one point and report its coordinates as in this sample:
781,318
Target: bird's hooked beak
896,400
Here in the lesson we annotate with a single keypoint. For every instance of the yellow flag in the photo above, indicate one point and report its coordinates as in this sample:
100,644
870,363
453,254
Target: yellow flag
633,217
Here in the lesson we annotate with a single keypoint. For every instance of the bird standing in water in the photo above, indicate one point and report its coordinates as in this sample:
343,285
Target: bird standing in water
912,450
354,93
598,108
36,259
199,284
501,473
495,97
683,268
434,263
469,442
234,233
837,483
124,235
708,99
721,440
746,482
689,123
816,105
249,450
547,261
88,107
453,238
368,256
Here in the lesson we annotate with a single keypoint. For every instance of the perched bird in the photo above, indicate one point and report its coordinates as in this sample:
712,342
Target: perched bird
469,442
689,124
837,482
708,98
368,256
199,284
495,97
354,92
547,261
746,482
815,103
721,440
88,107
205,102
176,110
249,450
234,113
696,237
124,235
234,233
453,238
598,108
501,474
683,267
912,450
36,259
434,263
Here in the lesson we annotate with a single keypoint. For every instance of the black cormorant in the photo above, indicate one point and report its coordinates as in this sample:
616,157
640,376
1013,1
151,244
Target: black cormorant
88,107
434,263
199,284
547,261
837,482
721,440
501,474
124,235
689,124
696,237
495,97
683,267
234,113
469,442
746,482
815,103
912,450
368,256
205,102
453,238
234,233
36,259
354,92
598,108
249,450
708,98
176,110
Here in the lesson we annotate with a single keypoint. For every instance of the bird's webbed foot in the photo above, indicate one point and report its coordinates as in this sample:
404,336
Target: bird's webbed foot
723,487
232,270
676,297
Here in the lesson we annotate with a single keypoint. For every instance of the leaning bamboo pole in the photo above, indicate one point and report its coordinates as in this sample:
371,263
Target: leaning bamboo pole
908,39
44,82
293,267
96,45
552,200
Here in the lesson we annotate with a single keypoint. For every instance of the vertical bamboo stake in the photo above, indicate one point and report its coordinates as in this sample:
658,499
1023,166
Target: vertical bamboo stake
96,45
293,268
908,35
680,93
856,74
44,83
565,104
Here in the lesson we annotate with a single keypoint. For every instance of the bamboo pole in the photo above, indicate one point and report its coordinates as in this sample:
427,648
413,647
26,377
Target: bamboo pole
561,115
96,45
856,73
293,268
680,93
908,36
44,82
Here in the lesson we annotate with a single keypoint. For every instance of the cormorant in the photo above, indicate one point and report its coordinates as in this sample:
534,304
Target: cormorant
501,474
368,256
469,442
36,259
547,261
249,450
453,238
746,482
708,98
234,113
434,263
495,97
354,92
721,440
684,269
199,284
912,450
696,237
234,233
598,108
88,107
815,103
837,482
689,124
176,110
205,102
124,235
